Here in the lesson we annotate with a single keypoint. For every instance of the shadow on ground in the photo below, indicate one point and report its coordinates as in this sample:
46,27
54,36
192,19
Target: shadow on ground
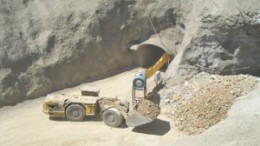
122,125
157,127
87,118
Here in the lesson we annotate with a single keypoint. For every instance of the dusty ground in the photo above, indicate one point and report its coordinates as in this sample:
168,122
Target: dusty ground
24,124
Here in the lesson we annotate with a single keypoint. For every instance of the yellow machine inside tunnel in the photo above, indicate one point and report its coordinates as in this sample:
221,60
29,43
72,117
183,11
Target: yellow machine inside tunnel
152,58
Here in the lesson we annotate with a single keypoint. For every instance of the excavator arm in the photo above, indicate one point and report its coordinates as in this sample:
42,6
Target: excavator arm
157,66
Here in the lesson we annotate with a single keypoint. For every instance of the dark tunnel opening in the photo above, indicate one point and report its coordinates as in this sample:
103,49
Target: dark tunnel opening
148,55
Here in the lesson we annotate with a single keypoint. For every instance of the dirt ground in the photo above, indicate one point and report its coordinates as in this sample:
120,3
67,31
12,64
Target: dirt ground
25,124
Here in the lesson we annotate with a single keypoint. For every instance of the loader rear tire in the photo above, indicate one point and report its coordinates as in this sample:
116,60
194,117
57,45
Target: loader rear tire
75,112
112,117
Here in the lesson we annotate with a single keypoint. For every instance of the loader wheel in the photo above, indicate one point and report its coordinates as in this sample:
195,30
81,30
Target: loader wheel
75,112
112,117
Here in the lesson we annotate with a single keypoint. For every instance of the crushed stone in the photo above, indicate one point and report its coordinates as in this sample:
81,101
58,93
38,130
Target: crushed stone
204,100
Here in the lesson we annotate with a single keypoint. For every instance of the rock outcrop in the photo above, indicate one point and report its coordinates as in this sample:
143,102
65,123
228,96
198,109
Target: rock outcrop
50,45
221,37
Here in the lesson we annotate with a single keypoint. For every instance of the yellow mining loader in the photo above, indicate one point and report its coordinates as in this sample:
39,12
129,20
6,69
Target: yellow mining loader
89,103
112,110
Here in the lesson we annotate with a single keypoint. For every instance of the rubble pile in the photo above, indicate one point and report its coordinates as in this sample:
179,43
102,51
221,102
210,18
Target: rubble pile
205,99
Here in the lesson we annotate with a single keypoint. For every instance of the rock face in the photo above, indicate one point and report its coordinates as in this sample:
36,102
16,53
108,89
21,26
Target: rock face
220,37
50,45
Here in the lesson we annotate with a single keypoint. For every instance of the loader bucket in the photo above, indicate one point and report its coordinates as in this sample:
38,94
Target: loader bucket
144,112
135,119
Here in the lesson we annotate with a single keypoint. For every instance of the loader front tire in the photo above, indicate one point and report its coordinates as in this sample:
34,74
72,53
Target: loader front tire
75,112
112,117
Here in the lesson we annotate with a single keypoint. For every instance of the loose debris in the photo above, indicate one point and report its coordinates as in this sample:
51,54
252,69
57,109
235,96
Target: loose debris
204,100
148,109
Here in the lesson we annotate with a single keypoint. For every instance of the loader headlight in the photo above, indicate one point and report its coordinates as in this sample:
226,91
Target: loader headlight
138,83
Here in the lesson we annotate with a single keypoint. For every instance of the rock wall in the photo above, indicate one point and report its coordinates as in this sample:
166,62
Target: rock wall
49,45
221,37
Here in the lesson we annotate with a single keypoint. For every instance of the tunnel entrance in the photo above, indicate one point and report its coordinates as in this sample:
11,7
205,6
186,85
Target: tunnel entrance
149,54
151,50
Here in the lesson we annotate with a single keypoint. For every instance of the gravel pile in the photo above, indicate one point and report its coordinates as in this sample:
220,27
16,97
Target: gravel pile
148,109
205,99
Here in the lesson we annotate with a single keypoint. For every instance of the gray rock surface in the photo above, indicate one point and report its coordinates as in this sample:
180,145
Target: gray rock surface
221,37
50,45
